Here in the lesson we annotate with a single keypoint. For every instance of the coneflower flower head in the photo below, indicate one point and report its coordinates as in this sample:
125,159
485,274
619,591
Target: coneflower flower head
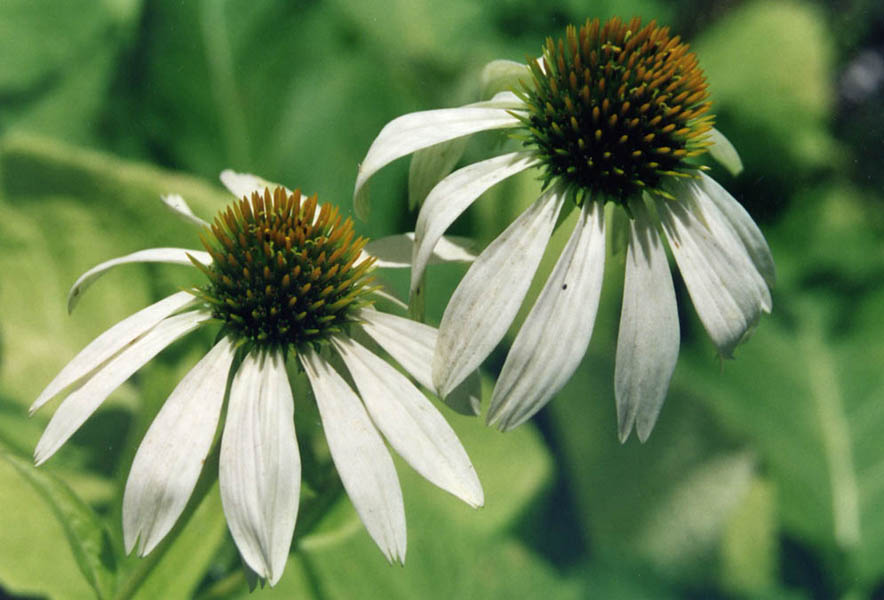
287,279
614,114
284,273
615,108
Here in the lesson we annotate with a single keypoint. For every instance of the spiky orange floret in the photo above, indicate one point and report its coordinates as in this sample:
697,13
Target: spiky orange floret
284,274
616,107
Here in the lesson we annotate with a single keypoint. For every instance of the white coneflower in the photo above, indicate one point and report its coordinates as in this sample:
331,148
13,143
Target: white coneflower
287,281
613,113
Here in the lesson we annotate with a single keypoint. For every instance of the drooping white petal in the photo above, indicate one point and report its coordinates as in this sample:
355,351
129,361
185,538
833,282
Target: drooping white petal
360,457
243,184
724,152
82,402
110,342
411,424
395,251
182,210
430,165
744,226
453,196
488,297
694,196
175,256
553,339
171,455
414,131
412,345
726,298
259,468
647,344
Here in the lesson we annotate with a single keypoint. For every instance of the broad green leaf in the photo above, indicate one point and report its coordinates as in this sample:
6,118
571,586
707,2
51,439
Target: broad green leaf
59,63
34,558
769,68
809,399
86,535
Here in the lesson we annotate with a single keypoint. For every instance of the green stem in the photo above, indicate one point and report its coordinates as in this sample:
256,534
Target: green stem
145,566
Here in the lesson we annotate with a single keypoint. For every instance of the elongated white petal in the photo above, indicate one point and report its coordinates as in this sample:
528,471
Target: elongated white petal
554,337
260,469
693,195
726,298
744,226
360,457
430,165
171,455
724,152
453,196
488,298
647,344
414,131
412,345
81,403
110,342
243,184
182,210
175,256
395,251
411,424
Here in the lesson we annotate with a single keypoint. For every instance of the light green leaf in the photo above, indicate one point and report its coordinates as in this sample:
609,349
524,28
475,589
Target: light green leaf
38,513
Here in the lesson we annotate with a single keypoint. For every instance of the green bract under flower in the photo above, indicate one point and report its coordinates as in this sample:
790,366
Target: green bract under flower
615,108
284,274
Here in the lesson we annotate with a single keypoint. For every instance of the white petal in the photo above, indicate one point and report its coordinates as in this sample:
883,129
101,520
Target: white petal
243,184
726,298
259,467
430,165
81,403
412,345
500,75
395,251
171,455
175,256
647,345
360,457
110,342
453,196
744,226
389,297
177,205
554,337
411,424
724,152
488,298
414,131
694,196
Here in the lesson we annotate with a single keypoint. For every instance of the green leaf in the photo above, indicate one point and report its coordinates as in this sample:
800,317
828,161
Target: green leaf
769,66
60,62
33,561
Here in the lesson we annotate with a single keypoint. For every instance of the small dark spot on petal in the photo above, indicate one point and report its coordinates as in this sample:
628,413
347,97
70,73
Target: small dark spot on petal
564,286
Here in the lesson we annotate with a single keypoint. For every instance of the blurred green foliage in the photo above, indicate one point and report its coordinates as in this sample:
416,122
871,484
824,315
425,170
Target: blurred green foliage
764,477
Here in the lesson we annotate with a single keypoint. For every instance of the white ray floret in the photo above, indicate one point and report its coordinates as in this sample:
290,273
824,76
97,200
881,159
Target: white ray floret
554,336
648,340
486,301
171,455
259,467
360,457
411,424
